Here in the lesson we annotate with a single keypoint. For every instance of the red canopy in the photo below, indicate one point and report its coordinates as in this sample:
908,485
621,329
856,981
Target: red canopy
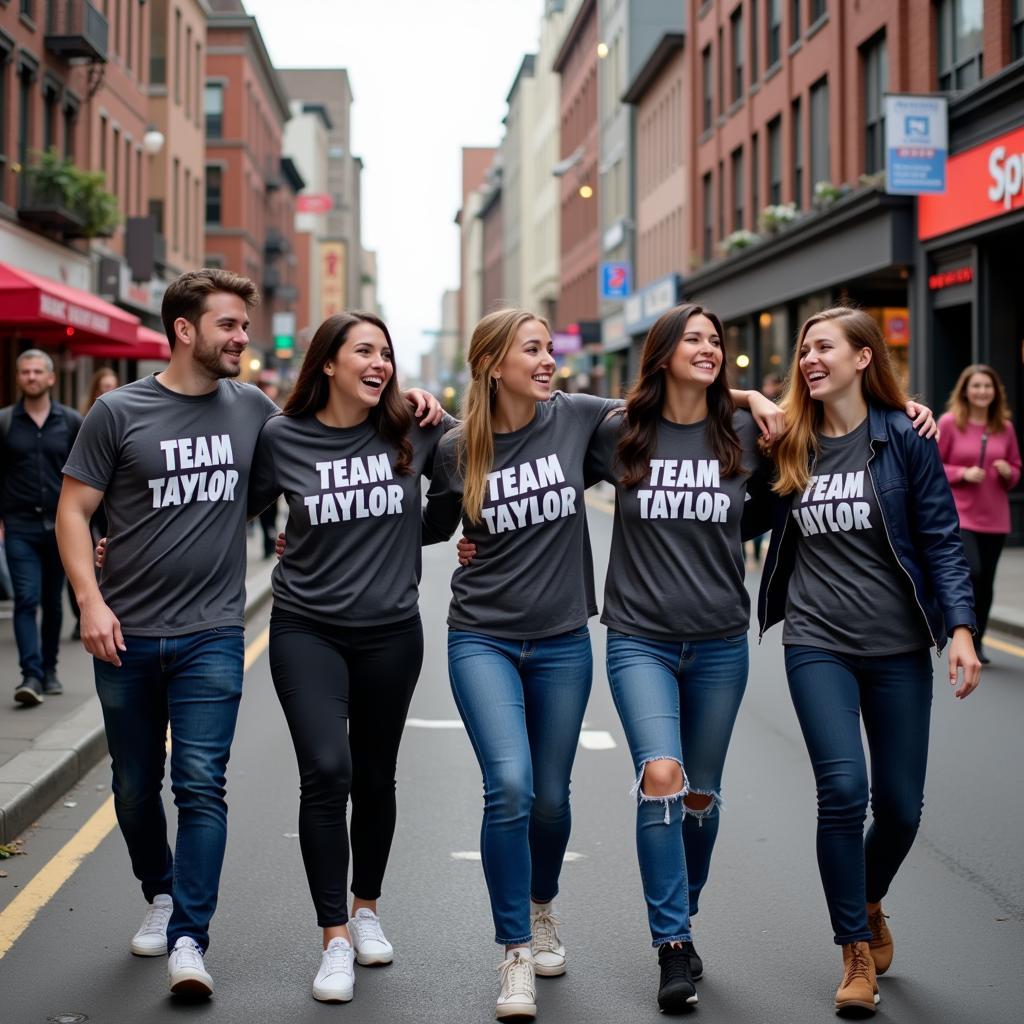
53,310
148,344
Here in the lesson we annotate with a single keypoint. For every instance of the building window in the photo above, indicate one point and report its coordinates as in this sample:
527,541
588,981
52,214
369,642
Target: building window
875,59
28,8
817,10
70,126
755,178
115,161
721,199
49,115
736,34
707,78
214,109
186,216
775,161
5,57
798,154
737,189
960,43
188,70
755,62
197,113
177,57
175,205
1017,29
774,32
127,176
129,4
103,144
709,213
158,51
721,72
213,194
819,132
794,20
25,90
156,211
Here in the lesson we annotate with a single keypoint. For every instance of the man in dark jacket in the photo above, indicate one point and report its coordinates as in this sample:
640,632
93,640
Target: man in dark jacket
36,435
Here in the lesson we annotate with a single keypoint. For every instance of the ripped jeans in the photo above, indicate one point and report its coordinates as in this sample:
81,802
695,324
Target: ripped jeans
677,701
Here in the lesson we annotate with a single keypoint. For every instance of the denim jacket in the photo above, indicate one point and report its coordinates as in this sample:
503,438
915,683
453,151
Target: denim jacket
920,522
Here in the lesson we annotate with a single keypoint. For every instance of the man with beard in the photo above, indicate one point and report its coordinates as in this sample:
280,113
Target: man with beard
36,435
169,456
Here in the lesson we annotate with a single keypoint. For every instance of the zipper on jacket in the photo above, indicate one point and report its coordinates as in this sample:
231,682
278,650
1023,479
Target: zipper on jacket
885,530
768,586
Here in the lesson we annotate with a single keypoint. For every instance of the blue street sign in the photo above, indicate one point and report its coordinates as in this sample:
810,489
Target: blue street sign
616,279
916,144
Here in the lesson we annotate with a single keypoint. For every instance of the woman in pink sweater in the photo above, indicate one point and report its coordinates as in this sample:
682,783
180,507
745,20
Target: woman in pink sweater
982,459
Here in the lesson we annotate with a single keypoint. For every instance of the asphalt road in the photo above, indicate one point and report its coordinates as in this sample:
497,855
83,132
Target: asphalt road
957,908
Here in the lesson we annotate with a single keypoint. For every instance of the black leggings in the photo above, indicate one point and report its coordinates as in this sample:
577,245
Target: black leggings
345,693
983,551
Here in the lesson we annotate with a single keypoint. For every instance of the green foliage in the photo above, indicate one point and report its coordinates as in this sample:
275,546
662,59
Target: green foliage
56,179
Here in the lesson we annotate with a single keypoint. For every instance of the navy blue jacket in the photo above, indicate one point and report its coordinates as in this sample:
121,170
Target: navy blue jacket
920,522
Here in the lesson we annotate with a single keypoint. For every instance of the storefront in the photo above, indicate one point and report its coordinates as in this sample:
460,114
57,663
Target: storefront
36,312
971,239
859,250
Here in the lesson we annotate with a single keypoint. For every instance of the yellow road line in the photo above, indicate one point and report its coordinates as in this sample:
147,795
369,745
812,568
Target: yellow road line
43,886
1002,645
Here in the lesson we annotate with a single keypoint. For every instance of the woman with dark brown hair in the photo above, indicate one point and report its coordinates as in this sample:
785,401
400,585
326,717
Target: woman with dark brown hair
981,456
867,570
685,464
346,643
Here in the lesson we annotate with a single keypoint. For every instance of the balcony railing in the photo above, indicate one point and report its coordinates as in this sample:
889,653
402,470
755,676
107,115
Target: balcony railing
276,244
45,209
76,28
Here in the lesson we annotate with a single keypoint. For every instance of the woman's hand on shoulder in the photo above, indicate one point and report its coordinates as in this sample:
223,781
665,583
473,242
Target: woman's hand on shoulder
963,659
767,415
425,407
924,421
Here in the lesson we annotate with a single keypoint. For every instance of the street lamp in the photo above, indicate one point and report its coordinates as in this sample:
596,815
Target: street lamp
153,140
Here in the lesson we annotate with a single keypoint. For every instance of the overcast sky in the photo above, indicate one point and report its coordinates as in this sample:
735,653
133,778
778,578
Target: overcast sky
429,76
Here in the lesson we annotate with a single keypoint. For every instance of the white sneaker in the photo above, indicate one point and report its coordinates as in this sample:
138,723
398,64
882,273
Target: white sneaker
335,981
187,972
546,947
368,938
151,938
518,994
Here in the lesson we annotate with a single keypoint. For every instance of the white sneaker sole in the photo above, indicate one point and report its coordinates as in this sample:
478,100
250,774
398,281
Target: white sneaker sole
332,995
140,950
192,984
548,970
374,959
508,1010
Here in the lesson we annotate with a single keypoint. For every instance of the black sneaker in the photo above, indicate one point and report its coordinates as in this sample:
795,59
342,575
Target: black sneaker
676,992
52,686
696,964
30,693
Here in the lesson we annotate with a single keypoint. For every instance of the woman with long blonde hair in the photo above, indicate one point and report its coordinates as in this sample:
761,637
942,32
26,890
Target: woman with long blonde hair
981,456
867,569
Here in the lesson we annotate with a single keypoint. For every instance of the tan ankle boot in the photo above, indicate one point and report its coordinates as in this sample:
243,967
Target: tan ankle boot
859,990
881,941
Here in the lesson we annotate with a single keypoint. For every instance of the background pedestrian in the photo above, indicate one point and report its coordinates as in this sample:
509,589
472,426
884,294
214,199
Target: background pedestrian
36,436
979,450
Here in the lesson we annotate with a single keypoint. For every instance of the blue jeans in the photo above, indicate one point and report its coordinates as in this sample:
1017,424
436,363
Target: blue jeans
830,693
522,703
677,701
193,682
38,578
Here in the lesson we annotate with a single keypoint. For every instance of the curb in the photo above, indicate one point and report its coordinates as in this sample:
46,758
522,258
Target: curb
1006,620
36,778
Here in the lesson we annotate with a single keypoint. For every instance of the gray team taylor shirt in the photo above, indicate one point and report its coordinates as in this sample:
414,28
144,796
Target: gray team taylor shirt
675,571
174,470
847,593
532,576
352,556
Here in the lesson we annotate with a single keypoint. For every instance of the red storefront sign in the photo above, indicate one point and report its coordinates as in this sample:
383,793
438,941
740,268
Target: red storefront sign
313,202
981,183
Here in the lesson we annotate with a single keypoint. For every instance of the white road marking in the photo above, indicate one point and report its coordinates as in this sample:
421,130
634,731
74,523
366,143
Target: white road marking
434,723
475,855
596,739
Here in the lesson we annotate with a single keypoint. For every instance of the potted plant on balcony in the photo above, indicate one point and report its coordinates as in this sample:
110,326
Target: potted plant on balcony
95,205
738,241
776,217
825,193
61,197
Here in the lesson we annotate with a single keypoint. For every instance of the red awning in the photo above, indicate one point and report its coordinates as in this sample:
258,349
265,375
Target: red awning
148,344
56,312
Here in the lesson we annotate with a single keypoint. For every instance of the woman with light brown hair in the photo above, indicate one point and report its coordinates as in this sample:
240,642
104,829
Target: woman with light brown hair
103,380
867,569
981,456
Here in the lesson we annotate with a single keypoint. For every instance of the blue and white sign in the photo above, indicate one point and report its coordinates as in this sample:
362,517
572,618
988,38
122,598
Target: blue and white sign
916,144
616,279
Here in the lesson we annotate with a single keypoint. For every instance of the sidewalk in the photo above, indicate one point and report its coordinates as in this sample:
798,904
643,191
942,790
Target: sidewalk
1007,614
45,750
